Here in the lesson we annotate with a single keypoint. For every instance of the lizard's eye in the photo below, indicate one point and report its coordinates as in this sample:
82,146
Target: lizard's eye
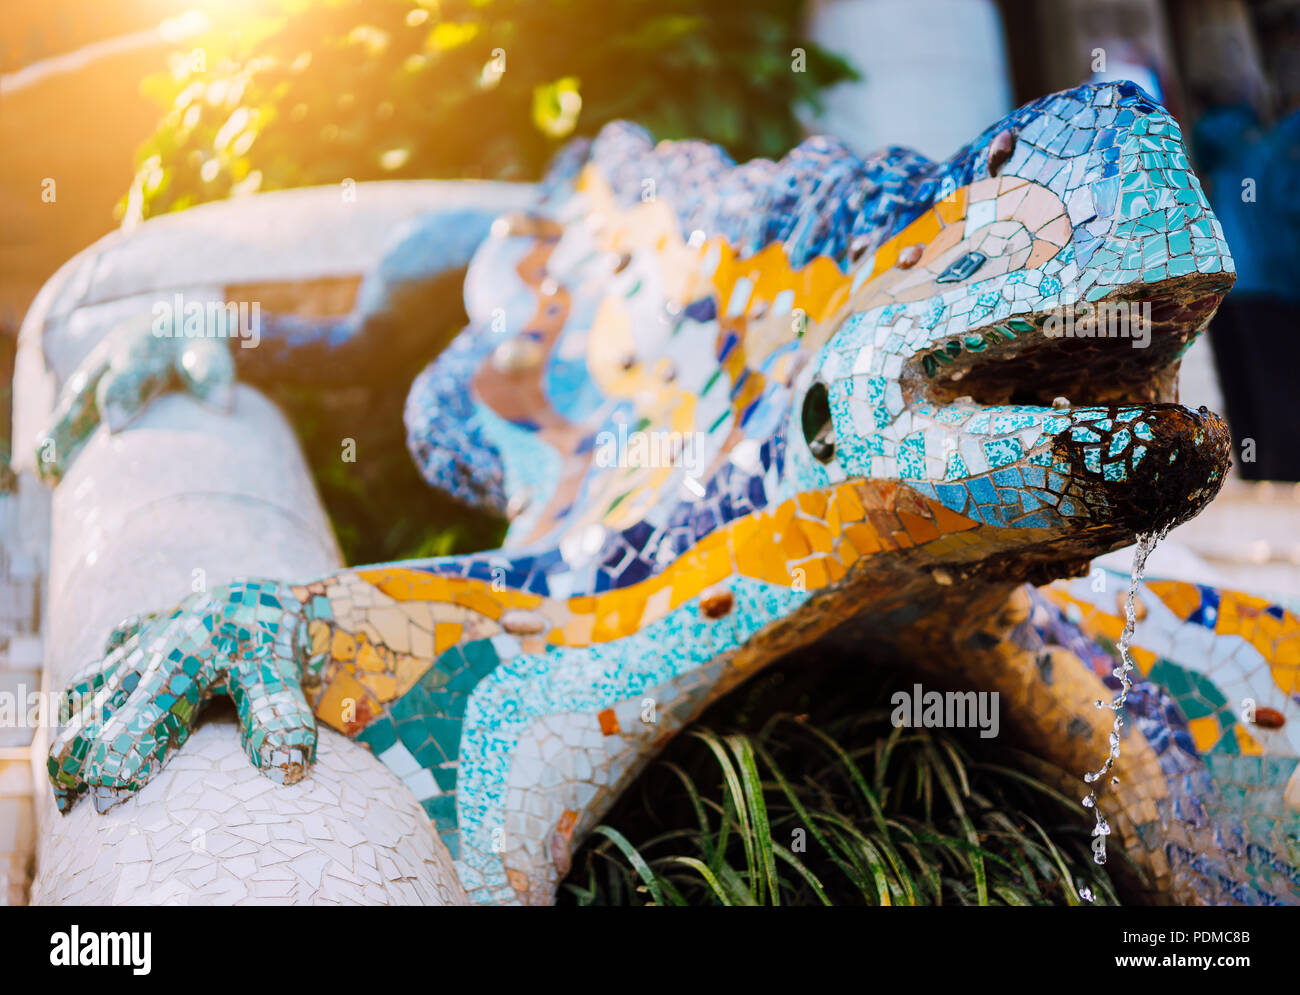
818,429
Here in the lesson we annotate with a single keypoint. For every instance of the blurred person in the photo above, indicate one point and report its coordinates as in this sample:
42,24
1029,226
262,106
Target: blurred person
1251,169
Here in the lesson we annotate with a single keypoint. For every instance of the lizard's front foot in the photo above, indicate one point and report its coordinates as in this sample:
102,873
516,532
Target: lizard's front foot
130,711
137,361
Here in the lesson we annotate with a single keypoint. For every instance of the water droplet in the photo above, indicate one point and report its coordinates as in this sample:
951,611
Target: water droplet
1099,849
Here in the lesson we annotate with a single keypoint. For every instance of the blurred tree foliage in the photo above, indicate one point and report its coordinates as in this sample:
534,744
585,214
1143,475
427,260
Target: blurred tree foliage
302,92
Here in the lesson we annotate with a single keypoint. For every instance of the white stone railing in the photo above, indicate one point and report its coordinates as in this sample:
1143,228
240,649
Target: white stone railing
186,489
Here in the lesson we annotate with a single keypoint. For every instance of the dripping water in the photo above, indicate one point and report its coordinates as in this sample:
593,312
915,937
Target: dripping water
1146,542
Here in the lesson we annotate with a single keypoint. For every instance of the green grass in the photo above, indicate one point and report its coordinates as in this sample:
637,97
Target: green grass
836,808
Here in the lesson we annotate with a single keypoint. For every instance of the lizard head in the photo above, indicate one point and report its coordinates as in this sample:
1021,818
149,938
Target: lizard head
1012,353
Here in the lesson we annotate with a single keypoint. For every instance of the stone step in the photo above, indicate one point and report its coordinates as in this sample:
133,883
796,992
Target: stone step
1248,539
24,652
17,826
20,605
16,689
1249,523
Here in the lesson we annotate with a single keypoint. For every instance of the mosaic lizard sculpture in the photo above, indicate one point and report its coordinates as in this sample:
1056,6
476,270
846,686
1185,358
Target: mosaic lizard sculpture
733,409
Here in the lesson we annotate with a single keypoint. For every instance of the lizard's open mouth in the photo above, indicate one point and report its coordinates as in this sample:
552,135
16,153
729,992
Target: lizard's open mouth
1141,461
1122,349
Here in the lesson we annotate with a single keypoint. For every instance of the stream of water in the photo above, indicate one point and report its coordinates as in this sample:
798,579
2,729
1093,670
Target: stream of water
1146,542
